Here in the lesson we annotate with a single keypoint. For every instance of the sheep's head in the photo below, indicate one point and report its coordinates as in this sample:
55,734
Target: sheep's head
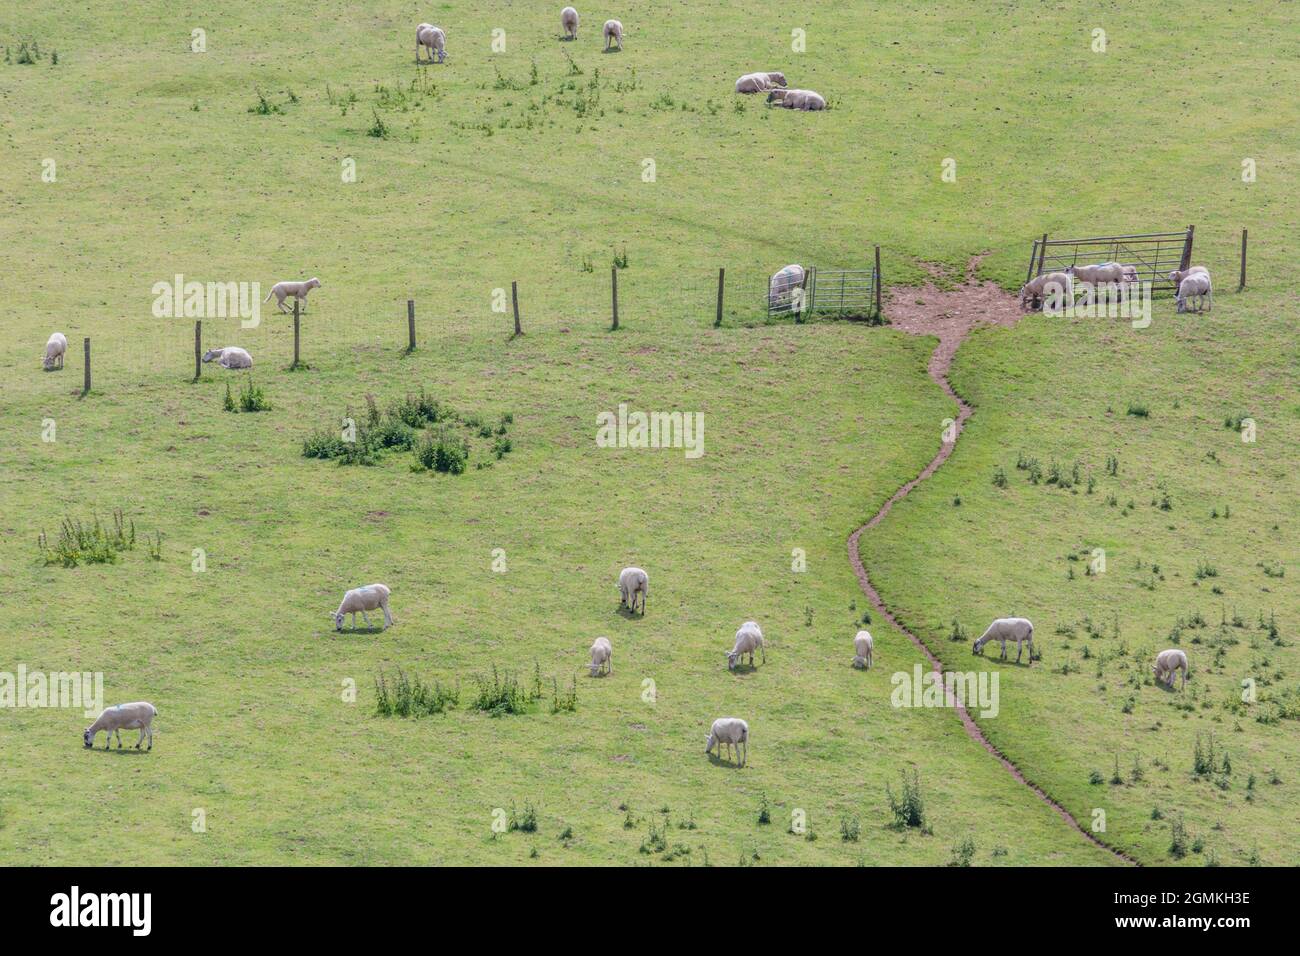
337,617
777,78
709,741
732,657
211,355
975,648
1070,271
48,362
776,96
595,668
86,739
313,283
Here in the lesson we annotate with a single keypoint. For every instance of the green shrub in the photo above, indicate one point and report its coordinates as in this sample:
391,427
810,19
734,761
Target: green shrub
908,808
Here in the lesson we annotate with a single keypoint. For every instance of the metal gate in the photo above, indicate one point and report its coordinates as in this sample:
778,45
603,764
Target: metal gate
1154,255
847,292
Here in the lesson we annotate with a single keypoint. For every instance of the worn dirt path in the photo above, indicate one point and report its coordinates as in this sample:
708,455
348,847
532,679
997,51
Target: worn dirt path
951,315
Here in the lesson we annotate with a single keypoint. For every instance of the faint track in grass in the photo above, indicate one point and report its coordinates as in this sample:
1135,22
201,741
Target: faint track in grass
952,315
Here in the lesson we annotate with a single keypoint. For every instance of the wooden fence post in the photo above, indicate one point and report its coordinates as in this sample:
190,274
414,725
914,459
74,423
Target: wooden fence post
1042,254
198,349
878,309
514,298
1186,262
613,278
85,389
1241,285
295,334
722,275
410,325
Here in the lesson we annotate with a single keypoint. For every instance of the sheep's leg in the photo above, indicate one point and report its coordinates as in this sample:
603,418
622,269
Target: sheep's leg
119,738
388,616
1019,650
365,617
141,740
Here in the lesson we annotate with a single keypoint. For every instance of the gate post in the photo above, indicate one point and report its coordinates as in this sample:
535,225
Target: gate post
1186,262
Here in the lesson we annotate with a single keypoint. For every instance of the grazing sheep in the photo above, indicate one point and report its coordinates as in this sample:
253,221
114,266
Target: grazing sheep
602,655
613,32
432,39
229,357
1005,629
732,733
1178,275
863,648
114,720
1038,288
797,99
569,23
631,582
55,349
363,599
1166,663
782,283
759,82
298,290
1093,275
1196,284
748,639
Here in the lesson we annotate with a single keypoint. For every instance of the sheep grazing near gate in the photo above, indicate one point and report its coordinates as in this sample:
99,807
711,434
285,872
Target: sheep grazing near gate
569,23
299,290
430,38
363,599
137,716
1050,283
748,639
1196,285
797,99
1178,275
783,283
229,357
613,34
1094,275
1005,629
631,582
759,82
55,348
1166,663
732,733
863,649
602,656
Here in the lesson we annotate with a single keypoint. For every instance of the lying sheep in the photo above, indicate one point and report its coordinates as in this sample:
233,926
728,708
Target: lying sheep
759,82
613,33
631,582
1195,284
1005,629
1166,663
569,23
363,599
114,720
55,349
229,357
863,647
1178,275
783,282
1050,283
432,39
797,99
602,655
748,639
298,290
731,732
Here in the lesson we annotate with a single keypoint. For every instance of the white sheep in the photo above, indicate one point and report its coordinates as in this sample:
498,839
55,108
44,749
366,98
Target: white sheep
631,582
1097,274
780,287
298,290
1005,629
114,720
602,656
863,648
1166,663
1195,284
614,33
730,732
569,23
797,99
363,599
432,39
748,639
55,349
1049,283
229,357
1178,275
759,82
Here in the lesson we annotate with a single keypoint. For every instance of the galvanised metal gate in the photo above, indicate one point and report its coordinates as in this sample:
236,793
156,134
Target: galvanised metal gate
849,292
1154,255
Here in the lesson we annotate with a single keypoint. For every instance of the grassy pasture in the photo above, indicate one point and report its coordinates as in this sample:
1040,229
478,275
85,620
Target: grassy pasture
486,177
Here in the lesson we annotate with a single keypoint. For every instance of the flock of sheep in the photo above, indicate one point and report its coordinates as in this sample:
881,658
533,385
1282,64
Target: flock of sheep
1191,283
433,41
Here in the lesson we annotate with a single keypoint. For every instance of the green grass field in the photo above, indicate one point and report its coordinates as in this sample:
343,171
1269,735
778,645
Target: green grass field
531,165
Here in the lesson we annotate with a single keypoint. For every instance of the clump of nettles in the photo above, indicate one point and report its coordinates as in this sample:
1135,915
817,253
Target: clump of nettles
437,436
95,543
251,399
907,807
